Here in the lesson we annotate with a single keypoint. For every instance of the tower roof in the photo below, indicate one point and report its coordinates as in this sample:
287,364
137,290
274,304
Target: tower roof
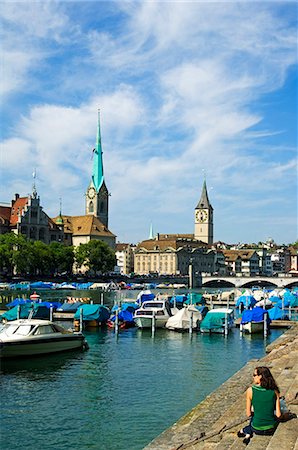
97,172
204,200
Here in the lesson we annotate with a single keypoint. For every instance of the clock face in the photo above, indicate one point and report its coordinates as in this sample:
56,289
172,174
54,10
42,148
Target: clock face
201,216
91,192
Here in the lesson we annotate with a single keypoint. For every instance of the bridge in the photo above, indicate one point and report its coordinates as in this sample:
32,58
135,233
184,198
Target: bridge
241,282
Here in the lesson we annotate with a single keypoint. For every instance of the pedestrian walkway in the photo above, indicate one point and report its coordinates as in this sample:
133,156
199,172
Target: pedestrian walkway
213,424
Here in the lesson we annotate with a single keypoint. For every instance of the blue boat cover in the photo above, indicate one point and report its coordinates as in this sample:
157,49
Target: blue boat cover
254,315
292,298
18,301
214,320
146,297
246,300
12,314
125,316
93,312
285,301
69,307
277,313
41,285
195,298
179,299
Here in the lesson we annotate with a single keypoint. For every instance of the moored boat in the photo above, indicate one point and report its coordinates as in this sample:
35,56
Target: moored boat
188,316
158,311
30,337
252,320
218,320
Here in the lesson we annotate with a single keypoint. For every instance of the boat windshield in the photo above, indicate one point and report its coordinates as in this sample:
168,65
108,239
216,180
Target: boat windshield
13,329
153,305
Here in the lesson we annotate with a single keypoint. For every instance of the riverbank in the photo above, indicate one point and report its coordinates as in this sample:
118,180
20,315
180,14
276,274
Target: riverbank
213,423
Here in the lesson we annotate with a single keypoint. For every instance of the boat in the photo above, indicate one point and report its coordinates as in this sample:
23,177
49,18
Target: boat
125,316
216,319
157,310
91,315
182,319
252,320
30,337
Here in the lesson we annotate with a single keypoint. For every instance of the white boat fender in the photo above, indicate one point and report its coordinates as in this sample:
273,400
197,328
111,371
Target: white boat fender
85,345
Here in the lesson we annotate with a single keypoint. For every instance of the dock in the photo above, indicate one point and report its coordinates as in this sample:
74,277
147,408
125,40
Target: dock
213,423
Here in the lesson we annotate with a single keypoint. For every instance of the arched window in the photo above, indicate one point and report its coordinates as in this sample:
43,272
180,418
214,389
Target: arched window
91,207
102,207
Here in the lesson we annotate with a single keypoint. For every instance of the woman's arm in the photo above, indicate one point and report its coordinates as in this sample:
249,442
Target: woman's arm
277,405
248,401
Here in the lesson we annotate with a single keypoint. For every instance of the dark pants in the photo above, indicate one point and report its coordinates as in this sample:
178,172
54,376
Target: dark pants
249,429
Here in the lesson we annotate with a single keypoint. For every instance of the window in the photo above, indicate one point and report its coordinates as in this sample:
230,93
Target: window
91,207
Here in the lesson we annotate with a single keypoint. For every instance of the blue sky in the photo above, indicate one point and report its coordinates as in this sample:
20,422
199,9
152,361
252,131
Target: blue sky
185,89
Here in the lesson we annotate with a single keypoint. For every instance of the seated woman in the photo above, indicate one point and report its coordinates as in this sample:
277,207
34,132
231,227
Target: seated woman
262,405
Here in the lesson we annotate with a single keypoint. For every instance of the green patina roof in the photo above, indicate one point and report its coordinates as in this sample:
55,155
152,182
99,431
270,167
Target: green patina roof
97,172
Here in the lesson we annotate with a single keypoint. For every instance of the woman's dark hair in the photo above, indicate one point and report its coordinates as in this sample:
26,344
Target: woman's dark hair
267,381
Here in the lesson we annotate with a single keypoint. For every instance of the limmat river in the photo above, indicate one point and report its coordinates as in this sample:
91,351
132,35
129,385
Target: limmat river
121,393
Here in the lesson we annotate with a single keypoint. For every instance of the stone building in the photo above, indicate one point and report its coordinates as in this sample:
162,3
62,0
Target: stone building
26,216
125,258
244,262
171,255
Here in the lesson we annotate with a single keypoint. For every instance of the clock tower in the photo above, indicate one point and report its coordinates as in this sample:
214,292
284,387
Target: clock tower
97,195
204,218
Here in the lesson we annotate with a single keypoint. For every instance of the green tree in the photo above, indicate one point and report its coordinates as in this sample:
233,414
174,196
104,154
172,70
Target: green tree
13,253
96,256
62,258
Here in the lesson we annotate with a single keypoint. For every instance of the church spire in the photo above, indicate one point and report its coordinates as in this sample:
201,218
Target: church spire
204,200
97,172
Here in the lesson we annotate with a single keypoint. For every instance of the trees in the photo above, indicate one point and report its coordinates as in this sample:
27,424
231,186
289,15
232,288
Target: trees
96,256
35,258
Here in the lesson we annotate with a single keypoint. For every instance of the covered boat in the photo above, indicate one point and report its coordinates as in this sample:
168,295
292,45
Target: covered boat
182,319
92,315
32,337
216,320
252,320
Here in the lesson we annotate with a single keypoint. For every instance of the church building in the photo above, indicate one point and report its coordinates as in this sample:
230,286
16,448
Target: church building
94,224
171,254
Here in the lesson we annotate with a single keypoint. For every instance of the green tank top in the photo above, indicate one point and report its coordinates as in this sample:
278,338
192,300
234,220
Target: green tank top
263,402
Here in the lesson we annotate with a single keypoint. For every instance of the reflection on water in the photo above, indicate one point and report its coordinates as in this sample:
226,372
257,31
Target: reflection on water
131,386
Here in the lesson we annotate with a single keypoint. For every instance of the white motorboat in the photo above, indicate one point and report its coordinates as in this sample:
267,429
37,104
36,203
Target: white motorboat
253,320
158,311
29,337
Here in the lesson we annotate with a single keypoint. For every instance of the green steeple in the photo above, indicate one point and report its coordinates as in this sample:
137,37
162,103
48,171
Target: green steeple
97,172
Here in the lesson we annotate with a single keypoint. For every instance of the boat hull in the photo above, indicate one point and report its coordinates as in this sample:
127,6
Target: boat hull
253,327
146,321
41,346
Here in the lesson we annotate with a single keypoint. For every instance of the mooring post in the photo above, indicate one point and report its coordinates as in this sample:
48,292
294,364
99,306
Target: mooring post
226,324
290,313
265,325
19,312
51,313
81,319
241,330
153,323
191,323
101,298
117,321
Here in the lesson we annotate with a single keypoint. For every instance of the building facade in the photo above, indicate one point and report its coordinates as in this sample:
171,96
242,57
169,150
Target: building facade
26,216
125,258
172,254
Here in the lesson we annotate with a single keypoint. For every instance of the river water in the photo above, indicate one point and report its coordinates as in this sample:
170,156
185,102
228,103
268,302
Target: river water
121,393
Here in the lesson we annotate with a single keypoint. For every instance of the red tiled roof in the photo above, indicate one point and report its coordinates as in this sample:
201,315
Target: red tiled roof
17,208
5,212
